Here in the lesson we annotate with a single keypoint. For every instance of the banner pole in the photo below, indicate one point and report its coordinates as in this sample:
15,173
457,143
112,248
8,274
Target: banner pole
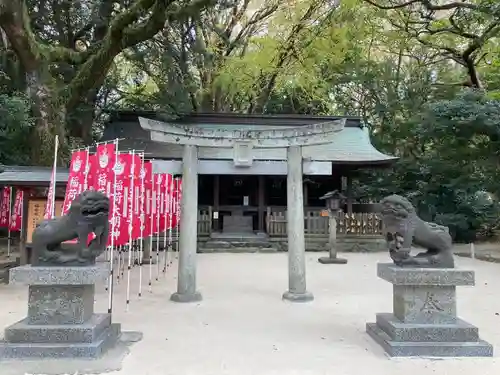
130,222
22,221
153,209
120,265
119,248
178,210
87,169
170,215
111,279
166,213
54,172
143,220
158,213
49,208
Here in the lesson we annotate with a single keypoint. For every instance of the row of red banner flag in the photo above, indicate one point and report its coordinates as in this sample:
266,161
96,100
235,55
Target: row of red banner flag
141,203
11,219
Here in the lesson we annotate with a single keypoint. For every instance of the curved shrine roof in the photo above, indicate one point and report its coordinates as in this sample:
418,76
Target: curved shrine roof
31,176
351,145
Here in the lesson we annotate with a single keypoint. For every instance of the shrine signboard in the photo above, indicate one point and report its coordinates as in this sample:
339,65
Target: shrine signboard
36,209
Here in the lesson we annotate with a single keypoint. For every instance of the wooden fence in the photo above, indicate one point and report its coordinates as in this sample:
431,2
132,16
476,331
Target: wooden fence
347,224
205,221
358,224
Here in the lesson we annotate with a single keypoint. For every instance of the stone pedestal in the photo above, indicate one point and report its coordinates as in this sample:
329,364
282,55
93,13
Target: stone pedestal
424,321
61,322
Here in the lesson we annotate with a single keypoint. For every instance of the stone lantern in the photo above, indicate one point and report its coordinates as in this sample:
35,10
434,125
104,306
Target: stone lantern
333,200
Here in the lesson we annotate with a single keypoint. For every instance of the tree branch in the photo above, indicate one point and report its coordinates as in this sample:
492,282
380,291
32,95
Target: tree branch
398,6
426,4
15,21
93,72
123,33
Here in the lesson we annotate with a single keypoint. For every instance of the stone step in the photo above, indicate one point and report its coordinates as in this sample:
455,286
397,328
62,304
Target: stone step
6,265
61,350
428,349
460,331
244,249
88,332
219,244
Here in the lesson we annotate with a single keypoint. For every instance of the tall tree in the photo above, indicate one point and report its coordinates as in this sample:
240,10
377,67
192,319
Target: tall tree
229,59
458,30
66,61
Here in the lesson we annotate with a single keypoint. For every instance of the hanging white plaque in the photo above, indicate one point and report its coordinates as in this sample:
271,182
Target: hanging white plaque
243,154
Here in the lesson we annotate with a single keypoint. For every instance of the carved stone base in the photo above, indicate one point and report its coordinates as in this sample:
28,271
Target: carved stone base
424,320
330,260
61,322
186,297
88,340
298,297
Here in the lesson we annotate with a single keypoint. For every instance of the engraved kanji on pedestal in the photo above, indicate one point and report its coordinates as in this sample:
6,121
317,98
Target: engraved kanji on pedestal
424,321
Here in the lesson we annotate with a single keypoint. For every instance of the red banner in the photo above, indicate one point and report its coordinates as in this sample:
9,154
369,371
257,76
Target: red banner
122,197
168,202
165,181
76,180
147,217
133,201
173,217
103,168
179,200
177,196
90,172
157,201
16,219
5,207
103,175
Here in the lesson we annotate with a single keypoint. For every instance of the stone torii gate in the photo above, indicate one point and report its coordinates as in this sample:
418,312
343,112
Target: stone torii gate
243,147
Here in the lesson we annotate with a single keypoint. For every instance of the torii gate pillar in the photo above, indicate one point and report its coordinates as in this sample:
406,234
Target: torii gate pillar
240,145
295,227
188,238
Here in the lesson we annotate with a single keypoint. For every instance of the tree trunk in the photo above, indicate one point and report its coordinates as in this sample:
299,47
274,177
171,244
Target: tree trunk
81,119
49,120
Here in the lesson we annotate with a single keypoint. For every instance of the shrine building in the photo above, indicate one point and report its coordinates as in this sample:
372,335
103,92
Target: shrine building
242,189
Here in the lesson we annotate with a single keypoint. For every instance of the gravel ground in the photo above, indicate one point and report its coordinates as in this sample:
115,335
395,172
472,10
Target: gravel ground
243,327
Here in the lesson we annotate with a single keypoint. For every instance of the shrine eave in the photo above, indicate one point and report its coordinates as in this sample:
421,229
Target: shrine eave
14,175
350,147
231,119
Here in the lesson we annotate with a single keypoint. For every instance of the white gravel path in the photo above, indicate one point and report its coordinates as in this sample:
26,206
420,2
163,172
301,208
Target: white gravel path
242,327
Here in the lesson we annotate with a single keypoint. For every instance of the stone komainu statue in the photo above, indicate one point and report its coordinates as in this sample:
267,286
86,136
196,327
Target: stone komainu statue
88,214
403,228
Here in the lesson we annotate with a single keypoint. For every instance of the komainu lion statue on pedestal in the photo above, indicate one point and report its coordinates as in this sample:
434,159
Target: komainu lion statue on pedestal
403,228
88,214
